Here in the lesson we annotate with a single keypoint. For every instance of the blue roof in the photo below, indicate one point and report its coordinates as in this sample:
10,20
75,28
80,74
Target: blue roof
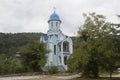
45,37
54,16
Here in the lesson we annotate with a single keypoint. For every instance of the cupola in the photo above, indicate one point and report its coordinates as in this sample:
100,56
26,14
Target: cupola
54,17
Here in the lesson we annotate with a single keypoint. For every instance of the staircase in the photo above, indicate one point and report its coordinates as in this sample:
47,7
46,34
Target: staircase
61,68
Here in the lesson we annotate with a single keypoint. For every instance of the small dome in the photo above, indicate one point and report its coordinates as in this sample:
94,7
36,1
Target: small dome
54,16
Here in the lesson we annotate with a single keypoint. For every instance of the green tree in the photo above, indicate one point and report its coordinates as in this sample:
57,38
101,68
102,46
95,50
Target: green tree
9,47
95,44
9,65
33,56
110,48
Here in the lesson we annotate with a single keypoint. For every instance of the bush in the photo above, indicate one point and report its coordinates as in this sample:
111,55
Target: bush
53,70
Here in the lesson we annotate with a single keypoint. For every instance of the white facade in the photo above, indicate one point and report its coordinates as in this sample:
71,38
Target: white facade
59,45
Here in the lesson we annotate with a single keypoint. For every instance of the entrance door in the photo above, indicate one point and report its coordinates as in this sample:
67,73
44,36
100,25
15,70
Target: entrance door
65,60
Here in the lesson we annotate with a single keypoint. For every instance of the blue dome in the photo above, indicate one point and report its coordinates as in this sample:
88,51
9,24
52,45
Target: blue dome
54,16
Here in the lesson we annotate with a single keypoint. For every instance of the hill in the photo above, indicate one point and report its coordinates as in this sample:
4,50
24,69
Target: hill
9,42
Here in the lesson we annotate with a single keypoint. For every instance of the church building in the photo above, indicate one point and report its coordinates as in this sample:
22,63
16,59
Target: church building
58,45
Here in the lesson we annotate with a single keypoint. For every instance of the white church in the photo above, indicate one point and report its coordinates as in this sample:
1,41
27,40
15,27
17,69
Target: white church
59,45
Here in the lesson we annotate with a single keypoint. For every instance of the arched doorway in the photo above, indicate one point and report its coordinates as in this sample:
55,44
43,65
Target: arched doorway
65,60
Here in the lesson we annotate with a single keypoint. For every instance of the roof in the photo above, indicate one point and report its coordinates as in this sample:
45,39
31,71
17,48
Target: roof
54,16
44,37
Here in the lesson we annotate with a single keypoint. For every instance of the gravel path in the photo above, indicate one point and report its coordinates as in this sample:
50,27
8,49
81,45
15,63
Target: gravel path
47,77
39,77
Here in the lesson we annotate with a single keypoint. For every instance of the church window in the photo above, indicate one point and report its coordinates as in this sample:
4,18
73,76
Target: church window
54,49
65,46
56,35
56,24
51,24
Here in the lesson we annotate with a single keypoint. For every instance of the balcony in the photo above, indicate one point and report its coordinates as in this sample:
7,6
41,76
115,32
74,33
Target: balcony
66,52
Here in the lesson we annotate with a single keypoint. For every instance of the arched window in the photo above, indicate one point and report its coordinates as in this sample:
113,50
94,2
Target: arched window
65,46
56,24
51,24
54,49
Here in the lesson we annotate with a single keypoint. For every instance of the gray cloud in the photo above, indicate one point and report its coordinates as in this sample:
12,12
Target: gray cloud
32,15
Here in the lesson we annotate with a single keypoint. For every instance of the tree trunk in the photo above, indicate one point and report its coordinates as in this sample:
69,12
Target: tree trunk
85,72
110,74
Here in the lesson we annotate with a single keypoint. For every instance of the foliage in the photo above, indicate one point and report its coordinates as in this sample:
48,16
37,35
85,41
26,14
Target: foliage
33,56
53,70
9,65
10,43
97,47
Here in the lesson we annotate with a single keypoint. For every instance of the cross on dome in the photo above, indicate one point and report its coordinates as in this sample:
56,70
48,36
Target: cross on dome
54,8
54,16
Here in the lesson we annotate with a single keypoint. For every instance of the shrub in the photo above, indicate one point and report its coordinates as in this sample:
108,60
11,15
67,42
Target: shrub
53,70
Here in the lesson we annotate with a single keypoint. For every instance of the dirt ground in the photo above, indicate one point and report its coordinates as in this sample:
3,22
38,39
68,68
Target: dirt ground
50,77
45,79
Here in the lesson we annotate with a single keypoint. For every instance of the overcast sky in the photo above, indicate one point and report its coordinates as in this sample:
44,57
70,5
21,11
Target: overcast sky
32,15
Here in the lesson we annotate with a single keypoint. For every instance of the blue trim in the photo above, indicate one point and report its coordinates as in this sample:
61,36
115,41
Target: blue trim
45,37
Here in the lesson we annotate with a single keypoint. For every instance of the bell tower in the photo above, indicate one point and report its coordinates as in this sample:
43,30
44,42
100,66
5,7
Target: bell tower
54,21
54,24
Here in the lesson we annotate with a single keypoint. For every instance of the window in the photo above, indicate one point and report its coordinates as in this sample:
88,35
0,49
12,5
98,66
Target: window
51,24
56,24
65,46
54,49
